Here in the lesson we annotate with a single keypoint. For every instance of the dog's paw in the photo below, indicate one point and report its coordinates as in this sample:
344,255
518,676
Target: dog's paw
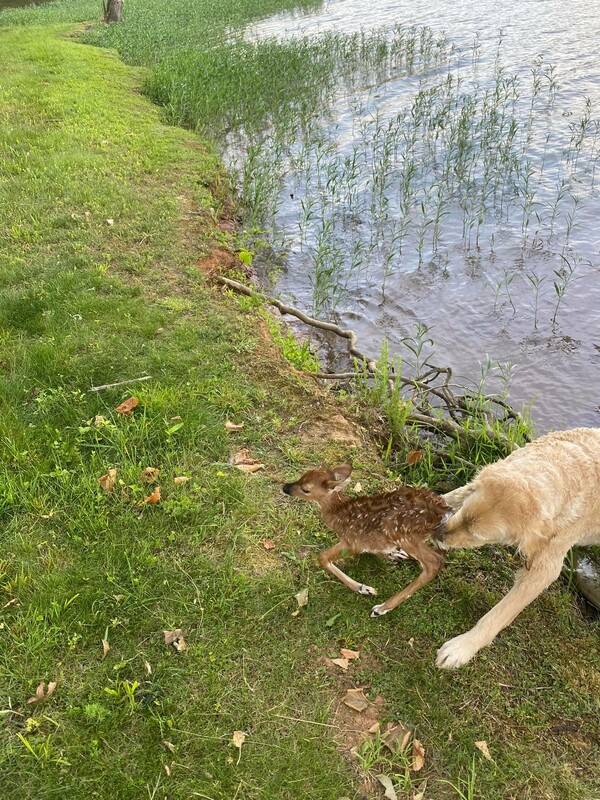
377,611
368,591
456,652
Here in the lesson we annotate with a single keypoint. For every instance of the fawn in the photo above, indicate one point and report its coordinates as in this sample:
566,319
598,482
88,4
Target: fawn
396,524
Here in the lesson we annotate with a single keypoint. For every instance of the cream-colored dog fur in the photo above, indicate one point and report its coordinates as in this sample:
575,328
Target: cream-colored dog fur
543,499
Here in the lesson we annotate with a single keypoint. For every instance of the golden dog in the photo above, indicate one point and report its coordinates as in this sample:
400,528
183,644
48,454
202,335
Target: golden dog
543,499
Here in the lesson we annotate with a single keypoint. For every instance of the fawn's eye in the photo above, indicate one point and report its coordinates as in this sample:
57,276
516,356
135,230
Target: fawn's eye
306,491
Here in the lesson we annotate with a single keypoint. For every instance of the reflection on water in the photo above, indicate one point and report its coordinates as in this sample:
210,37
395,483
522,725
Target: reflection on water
515,271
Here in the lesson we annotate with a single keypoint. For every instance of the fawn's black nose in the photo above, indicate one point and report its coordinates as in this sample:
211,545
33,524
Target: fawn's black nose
287,488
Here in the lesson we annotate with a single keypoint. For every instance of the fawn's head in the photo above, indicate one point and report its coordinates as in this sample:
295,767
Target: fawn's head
318,484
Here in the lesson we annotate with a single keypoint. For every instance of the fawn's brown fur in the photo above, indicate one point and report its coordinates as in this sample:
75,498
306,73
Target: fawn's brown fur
396,524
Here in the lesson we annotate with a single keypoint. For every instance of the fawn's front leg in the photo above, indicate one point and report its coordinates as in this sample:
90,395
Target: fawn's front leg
332,554
432,562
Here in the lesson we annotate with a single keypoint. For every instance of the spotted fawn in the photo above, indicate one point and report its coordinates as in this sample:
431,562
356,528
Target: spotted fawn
396,524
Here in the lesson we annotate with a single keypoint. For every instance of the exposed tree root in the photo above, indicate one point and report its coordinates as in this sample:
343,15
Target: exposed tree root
436,405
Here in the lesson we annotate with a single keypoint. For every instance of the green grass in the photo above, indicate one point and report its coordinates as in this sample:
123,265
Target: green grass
83,302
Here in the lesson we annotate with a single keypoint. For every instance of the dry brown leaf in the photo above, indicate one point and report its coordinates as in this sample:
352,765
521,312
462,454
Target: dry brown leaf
127,406
246,462
105,648
296,612
414,456
248,469
386,782
41,693
349,654
175,639
10,603
150,474
420,793
238,738
396,737
181,479
418,756
484,749
356,700
107,482
302,598
374,727
342,663
232,426
153,498
168,746
268,544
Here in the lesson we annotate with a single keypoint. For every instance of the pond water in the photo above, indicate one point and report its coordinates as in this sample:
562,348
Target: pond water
460,193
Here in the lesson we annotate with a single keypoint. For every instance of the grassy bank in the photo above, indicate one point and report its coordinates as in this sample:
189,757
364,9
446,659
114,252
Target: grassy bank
106,215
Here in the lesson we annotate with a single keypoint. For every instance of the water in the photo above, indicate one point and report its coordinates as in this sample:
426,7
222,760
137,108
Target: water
475,287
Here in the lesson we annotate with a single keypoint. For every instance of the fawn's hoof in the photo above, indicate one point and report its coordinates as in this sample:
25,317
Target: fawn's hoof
378,611
369,591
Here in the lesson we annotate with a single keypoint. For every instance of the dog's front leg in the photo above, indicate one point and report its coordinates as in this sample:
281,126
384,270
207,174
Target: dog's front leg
529,583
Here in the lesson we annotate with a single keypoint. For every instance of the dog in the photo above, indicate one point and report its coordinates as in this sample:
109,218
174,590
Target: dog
542,499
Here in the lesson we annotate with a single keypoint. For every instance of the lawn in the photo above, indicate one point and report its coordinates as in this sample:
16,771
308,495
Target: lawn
109,218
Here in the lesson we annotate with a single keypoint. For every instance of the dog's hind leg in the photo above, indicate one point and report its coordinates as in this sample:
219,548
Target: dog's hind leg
544,568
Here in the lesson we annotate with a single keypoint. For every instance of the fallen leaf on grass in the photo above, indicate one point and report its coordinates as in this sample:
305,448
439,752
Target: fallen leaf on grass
302,598
418,756
175,639
343,663
396,737
127,406
356,700
237,740
10,603
414,456
374,727
268,544
41,693
148,667
387,784
153,498
349,654
105,648
420,793
150,474
246,462
107,482
181,479
232,426
484,749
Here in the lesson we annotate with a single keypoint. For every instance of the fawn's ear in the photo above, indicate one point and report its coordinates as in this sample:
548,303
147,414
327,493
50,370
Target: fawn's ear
342,472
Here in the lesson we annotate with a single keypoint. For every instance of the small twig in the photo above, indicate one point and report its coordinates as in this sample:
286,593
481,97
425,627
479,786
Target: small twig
119,383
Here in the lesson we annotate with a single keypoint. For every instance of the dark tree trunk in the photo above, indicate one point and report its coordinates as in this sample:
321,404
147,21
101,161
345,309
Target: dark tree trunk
113,9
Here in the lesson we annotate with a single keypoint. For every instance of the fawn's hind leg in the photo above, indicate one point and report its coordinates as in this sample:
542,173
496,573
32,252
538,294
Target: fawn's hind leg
332,554
432,562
